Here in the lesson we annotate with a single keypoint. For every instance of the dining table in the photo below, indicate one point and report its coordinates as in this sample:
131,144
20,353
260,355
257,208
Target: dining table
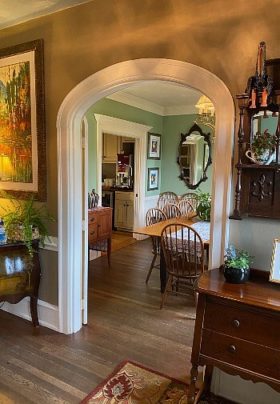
155,230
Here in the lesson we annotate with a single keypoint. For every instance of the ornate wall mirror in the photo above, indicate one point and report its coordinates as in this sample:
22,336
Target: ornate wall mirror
194,156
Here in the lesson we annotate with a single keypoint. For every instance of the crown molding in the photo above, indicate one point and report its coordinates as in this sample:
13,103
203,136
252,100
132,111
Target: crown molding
149,106
137,102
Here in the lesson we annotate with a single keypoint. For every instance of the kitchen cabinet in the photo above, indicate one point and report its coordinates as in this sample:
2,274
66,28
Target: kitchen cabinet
111,147
100,230
124,210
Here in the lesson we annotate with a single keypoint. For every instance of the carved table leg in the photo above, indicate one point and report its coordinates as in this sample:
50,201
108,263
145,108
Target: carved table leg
34,311
191,392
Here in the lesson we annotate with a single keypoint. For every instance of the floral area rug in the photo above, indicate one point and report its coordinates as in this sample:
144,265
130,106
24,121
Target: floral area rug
131,383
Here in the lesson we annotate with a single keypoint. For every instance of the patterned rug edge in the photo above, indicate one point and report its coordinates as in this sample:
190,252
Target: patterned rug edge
119,367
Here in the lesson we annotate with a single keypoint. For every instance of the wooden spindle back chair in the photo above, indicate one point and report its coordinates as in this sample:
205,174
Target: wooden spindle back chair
186,208
192,198
154,215
183,251
167,197
171,210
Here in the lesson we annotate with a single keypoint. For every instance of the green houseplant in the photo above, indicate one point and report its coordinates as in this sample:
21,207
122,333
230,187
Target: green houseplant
203,209
24,221
237,265
262,148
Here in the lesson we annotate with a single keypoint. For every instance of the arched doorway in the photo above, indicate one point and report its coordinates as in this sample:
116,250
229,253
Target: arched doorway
70,201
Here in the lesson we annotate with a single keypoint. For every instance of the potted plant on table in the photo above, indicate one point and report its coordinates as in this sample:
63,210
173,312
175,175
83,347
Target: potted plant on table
237,265
23,221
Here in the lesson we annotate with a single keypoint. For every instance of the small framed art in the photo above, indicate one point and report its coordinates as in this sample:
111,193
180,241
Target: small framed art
153,178
275,262
154,145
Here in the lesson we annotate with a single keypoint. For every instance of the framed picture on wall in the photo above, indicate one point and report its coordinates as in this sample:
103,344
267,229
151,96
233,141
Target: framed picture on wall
154,146
153,178
275,262
22,129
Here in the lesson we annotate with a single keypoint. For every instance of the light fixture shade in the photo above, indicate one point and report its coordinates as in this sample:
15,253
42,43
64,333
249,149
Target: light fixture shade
205,106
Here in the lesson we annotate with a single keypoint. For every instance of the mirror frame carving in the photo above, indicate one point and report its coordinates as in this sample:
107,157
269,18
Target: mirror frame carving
206,136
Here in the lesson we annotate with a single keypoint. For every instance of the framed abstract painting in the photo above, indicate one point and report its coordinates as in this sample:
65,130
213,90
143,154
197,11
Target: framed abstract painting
22,117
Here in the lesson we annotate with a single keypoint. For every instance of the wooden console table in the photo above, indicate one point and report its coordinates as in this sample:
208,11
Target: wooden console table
100,230
20,275
237,329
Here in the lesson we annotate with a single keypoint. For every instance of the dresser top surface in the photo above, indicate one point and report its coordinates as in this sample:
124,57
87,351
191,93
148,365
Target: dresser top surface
258,291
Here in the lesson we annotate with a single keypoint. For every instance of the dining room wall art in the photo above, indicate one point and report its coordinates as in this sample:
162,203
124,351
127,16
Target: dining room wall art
22,118
154,146
153,178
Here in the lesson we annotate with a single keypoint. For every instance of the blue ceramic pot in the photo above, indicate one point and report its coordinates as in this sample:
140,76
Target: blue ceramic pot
236,275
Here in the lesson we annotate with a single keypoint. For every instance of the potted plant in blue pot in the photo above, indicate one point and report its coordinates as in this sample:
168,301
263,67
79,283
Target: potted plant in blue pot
237,265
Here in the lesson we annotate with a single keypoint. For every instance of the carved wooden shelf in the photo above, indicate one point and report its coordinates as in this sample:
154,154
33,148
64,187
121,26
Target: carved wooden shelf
257,191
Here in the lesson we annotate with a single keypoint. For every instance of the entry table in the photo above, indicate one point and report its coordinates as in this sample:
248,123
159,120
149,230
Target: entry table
20,275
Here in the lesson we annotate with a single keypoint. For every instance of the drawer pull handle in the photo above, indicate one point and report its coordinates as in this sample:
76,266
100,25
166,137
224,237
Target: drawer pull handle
92,219
92,233
232,348
236,323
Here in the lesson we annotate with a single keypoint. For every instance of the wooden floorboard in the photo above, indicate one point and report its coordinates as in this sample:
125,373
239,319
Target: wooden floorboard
124,322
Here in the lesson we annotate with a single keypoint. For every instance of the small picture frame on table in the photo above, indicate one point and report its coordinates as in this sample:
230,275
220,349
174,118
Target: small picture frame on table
154,146
275,262
153,178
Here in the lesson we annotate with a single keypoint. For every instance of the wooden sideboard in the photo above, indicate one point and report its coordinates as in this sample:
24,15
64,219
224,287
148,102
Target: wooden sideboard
20,275
237,329
100,230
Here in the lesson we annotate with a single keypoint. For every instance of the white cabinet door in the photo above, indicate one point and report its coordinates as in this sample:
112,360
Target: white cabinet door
129,215
124,210
111,147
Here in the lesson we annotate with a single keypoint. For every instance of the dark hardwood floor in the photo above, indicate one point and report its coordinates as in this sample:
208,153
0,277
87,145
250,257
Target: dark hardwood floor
42,366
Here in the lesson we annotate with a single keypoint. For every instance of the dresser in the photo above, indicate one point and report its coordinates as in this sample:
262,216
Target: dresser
237,329
100,230
20,275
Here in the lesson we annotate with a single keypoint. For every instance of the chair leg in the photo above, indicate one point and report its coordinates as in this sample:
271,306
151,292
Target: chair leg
168,284
151,268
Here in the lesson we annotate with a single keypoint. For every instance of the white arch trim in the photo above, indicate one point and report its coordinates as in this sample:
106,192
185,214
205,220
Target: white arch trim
70,205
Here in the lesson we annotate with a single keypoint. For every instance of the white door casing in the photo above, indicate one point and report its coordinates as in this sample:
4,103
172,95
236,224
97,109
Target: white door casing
70,205
121,127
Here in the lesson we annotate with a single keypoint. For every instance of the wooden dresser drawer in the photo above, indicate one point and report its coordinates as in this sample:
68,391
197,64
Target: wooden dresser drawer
238,321
92,232
91,218
240,353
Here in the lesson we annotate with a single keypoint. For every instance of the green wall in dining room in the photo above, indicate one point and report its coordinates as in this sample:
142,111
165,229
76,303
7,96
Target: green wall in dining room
122,111
173,126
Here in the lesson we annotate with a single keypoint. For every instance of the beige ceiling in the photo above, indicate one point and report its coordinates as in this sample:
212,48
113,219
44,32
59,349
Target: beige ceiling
14,12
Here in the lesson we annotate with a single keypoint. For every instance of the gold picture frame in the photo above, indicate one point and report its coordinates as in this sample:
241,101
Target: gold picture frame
22,115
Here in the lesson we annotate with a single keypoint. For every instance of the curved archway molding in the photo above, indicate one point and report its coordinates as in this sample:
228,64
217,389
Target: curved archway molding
70,200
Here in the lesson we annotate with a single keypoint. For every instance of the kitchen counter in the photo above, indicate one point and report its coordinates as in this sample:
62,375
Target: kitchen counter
117,189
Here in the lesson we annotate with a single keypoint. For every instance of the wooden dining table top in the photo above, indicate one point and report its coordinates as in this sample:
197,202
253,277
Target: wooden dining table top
156,229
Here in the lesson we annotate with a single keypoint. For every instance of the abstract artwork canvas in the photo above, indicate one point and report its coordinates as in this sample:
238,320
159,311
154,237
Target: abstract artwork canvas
22,121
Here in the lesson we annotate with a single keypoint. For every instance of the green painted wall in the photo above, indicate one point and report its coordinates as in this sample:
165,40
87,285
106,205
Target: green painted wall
173,126
170,127
122,111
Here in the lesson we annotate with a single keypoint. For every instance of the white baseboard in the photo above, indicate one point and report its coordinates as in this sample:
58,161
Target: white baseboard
242,391
139,236
47,313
